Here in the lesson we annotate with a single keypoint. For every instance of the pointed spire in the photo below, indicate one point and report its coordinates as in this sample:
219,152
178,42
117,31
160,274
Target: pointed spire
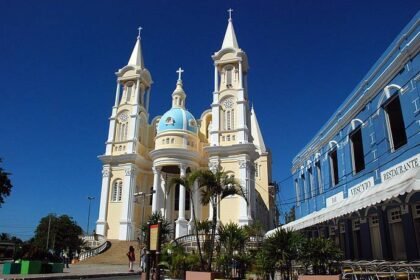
230,38
256,133
136,58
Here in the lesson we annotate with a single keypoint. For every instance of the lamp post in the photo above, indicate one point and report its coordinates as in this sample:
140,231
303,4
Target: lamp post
90,198
142,195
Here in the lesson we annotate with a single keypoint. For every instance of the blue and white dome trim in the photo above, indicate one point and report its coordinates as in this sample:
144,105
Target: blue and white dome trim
177,119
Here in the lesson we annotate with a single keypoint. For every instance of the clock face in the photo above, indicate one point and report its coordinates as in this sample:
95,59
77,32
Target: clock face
228,103
123,117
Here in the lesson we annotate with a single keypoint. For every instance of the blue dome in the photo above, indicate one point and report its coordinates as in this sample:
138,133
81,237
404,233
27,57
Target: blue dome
177,119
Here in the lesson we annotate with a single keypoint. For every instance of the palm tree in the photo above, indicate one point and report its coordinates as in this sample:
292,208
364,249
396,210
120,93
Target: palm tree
5,185
215,186
283,247
188,182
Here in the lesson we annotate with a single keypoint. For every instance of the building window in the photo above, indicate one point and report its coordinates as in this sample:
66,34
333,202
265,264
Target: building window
256,170
116,194
303,180
319,176
129,90
297,192
311,183
357,153
334,167
395,123
228,73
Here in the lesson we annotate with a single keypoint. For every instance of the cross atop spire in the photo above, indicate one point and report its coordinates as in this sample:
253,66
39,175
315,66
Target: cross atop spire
230,14
179,71
139,29
136,57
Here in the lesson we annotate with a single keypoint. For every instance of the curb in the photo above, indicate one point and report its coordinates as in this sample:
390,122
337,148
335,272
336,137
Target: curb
79,276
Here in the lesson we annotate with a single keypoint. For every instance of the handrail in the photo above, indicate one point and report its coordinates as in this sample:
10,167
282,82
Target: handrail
95,251
250,242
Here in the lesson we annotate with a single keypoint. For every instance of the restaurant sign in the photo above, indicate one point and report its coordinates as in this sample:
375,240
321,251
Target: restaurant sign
361,187
401,168
334,199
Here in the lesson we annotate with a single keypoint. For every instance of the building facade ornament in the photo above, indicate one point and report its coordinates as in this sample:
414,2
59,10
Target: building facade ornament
106,172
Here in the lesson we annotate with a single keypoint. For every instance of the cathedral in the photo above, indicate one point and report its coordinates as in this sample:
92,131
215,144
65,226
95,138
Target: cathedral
143,155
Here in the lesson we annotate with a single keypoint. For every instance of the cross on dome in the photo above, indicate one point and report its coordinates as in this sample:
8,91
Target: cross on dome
230,13
139,29
179,71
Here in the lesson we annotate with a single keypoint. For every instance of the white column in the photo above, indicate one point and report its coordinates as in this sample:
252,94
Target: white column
101,224
216,79
138,97
129,185
245,217
181,228
111,136
162,194
156,186
181,211
117,94
131,135
240,75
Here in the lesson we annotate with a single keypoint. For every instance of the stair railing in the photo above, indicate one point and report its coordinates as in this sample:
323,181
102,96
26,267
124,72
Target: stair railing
99,244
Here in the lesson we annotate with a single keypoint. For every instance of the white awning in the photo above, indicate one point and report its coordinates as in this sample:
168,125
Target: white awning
406,183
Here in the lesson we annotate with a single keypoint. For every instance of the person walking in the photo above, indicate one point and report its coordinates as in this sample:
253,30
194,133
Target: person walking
66,258
131,258
143,259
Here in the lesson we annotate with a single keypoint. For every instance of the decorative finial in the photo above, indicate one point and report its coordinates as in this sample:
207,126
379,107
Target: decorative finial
230,14
139,29
179,71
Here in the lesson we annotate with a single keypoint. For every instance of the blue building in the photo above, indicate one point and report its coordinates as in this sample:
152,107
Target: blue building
357,180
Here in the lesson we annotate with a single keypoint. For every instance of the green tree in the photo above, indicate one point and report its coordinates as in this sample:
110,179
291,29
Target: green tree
5,184
7,237
63,233
279,250
188,182
321,253
214,187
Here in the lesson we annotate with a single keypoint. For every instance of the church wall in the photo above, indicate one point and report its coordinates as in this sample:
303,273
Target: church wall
229,209
114,208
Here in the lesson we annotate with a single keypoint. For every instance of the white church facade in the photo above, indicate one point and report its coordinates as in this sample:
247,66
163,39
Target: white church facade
142,156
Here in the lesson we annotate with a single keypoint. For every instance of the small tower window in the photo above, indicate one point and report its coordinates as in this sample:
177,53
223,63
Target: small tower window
129,93
228,127
229,78
169,121
116,195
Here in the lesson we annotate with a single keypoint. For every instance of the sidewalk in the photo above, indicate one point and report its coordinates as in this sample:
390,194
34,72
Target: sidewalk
76,271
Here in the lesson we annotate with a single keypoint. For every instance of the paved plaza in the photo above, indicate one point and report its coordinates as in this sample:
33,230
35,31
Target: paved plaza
77,271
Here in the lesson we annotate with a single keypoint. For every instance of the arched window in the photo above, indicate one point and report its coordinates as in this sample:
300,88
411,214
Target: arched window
129,91
228,123
116,194
395,123
232,118
229,78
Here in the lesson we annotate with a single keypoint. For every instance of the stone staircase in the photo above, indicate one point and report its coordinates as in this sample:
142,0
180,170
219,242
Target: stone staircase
116,254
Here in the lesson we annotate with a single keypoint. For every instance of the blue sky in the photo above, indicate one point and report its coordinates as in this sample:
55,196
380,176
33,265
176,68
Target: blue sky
57,65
